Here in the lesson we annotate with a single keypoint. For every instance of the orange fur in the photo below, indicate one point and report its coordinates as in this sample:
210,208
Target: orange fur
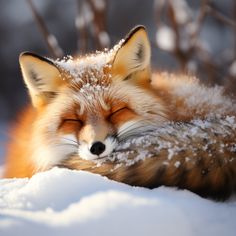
18,161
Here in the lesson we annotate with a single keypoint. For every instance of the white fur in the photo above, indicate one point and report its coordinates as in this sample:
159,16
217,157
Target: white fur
135,127
69,139
49,148
50,154
128,126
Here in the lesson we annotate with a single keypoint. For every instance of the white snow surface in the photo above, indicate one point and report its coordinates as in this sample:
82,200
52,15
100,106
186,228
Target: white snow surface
69,202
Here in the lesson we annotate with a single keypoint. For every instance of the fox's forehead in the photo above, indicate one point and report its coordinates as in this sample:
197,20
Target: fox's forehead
87,80
90,70
86,105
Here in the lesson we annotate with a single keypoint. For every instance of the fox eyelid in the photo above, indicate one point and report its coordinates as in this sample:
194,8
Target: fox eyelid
115,112
120,109
73,120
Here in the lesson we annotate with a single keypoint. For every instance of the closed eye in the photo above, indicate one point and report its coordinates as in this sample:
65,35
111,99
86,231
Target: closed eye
73,120
119,110
71,123
121,115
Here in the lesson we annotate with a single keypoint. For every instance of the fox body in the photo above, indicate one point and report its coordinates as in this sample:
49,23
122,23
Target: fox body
88,113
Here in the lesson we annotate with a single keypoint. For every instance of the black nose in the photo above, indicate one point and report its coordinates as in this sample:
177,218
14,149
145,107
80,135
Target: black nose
97,148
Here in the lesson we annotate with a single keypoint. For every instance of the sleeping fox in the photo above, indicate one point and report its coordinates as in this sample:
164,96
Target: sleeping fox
84,108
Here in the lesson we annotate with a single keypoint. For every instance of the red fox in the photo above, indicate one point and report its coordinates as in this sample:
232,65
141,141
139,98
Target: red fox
85,108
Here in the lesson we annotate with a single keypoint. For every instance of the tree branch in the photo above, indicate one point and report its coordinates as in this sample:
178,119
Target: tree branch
50,39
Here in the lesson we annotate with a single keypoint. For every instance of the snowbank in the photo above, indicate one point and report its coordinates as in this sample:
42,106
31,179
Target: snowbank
65,202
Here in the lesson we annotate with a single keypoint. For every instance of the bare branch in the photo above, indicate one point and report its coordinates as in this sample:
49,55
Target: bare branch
234,30
159,6
49,38
99,23
179,53
218,15
80,24
200,20
190,48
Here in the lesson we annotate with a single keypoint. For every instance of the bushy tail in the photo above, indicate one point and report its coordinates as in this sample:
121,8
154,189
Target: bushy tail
199,156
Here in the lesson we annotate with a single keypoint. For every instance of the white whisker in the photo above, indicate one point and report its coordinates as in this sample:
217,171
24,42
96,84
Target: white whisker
133,128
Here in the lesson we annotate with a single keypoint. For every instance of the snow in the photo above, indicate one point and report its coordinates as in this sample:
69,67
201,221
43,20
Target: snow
78,66
84,71
177,164
67,202
165,38
90,64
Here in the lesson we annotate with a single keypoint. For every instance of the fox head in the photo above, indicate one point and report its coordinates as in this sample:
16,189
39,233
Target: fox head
86,105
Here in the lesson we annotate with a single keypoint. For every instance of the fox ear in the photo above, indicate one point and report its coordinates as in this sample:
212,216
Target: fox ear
41,76
134,53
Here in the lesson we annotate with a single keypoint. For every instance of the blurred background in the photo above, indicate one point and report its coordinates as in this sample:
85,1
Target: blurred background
197,37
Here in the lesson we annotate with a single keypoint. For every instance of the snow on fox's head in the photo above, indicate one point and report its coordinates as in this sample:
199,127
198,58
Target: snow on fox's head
86,105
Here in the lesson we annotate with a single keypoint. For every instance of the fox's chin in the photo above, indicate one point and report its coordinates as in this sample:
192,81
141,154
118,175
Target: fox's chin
86,155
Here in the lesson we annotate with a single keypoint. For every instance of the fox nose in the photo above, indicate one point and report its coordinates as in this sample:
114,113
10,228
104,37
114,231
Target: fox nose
97,148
